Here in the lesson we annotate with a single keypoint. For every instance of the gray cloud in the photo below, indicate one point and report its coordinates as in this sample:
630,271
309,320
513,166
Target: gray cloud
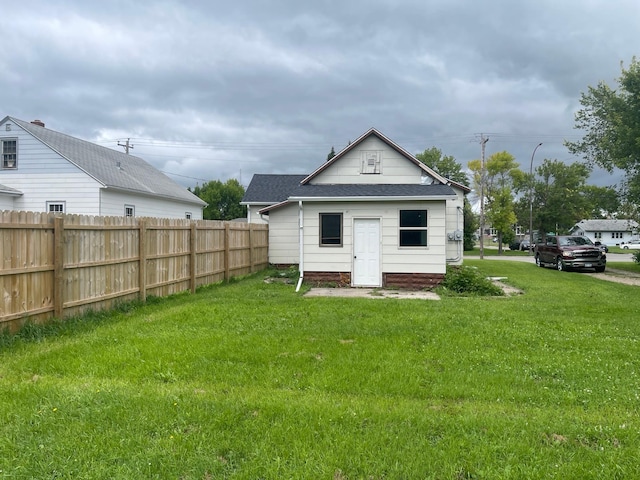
214,90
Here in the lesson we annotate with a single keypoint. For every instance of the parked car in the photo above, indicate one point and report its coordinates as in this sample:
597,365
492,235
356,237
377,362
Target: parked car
566,252
632,244
602,247
519,244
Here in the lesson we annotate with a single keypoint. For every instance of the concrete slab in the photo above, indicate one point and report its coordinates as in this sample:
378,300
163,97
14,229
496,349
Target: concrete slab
371,293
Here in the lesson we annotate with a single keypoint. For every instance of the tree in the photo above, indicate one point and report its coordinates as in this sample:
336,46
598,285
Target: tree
448,167
559,196
603,202
471,224
331,154
611,120
445,165
499,180
223,199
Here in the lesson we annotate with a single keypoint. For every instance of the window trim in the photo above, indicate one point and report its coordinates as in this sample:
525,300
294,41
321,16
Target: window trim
322,237
133,210
424,228
4,165
53,203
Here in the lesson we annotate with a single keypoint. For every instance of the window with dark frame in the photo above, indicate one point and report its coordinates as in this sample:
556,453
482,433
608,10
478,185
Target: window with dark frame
331,229
55,207
9,151
413,228
129,211
187,215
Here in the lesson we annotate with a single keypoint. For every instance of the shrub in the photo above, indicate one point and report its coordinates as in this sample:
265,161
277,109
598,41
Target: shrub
468,281
636,256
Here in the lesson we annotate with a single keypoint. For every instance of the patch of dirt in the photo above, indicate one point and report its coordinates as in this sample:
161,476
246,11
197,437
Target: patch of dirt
618,276
508,290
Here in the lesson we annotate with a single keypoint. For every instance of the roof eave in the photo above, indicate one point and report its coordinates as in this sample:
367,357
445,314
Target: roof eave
390,198
199,201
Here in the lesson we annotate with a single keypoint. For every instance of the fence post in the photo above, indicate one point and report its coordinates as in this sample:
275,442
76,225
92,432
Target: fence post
194,258
142,255
251,263
227,240
58,271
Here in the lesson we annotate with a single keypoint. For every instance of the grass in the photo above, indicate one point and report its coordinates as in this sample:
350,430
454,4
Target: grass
631,267
492,251
251,380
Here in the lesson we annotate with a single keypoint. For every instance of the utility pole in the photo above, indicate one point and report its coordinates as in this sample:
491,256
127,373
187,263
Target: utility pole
483,179
126,146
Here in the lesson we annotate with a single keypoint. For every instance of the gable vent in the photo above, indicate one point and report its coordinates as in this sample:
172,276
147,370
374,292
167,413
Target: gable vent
371,161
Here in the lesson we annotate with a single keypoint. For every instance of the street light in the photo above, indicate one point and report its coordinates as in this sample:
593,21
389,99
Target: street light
531,201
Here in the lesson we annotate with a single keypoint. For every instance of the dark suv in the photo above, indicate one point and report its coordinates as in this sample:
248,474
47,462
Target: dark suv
570,252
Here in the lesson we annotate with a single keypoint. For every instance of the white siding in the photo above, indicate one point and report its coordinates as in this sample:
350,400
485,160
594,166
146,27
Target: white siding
6,202
254,217
395,259
113,202
283,235
44,176
394,167
455,221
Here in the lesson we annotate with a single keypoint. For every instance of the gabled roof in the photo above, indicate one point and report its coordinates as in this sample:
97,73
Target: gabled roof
109,167
614,225
372,132
270,189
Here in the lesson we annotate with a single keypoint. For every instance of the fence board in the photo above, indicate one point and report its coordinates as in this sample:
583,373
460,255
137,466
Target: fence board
66,264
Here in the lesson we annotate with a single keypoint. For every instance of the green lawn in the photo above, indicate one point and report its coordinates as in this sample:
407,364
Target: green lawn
251,380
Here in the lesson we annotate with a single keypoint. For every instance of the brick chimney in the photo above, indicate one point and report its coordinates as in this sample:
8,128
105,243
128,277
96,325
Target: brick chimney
40,123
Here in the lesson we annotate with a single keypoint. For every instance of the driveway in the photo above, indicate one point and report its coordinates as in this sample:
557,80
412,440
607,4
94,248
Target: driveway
611,257
610,274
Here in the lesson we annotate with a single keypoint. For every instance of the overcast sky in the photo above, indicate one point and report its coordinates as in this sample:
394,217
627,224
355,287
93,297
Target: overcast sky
212,90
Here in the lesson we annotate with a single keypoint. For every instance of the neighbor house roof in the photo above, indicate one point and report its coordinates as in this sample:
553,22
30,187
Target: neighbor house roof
616,225
270,189
109,167
10,190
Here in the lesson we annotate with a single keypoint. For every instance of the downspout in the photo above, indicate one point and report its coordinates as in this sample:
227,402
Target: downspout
300,246
459,242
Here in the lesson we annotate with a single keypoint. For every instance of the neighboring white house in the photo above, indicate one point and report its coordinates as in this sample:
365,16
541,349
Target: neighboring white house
607,232
44,170
373,215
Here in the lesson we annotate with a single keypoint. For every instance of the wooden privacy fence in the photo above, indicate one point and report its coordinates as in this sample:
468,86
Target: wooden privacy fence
61,265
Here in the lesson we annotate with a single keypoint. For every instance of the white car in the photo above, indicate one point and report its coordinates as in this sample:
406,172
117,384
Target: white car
632,244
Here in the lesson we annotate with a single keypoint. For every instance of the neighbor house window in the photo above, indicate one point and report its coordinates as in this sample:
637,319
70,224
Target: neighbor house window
413,228
187,215
597,235
331,229
129,210
55,207
9,151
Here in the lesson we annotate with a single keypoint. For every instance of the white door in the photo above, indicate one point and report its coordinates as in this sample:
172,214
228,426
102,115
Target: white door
366,252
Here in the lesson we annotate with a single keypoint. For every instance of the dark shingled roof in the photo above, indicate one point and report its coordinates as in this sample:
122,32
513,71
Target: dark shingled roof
270,189
371,190
110,167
